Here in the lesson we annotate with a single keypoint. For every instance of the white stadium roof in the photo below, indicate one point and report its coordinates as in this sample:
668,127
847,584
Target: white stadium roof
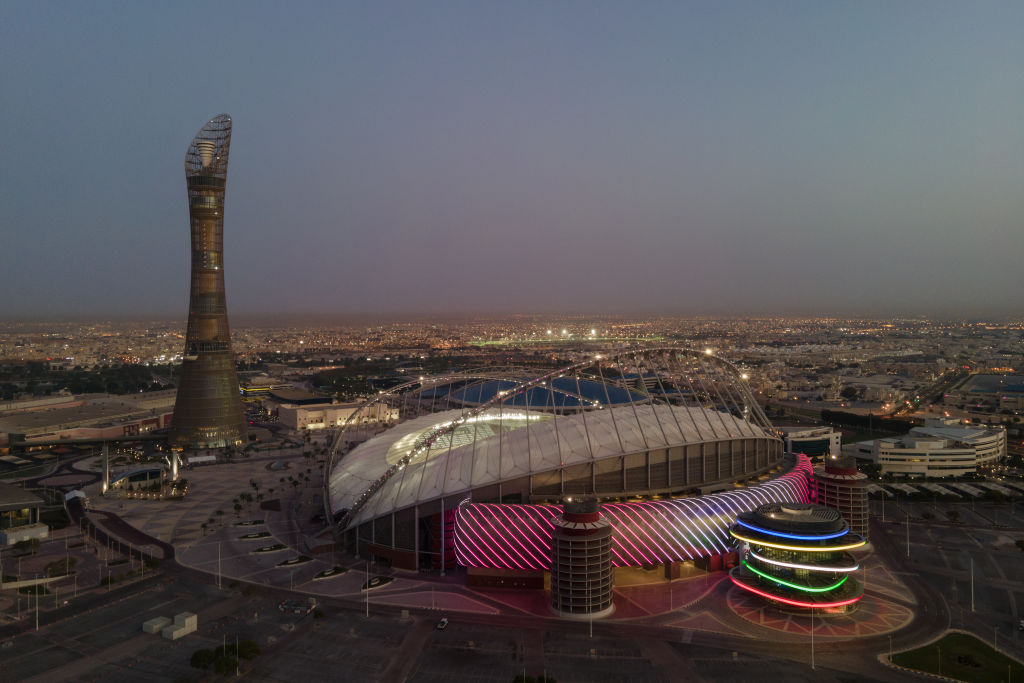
503,444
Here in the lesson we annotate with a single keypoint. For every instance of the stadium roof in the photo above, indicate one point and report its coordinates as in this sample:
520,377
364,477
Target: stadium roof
501,444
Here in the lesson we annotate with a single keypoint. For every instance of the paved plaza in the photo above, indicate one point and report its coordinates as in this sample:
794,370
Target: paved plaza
981,543
234,567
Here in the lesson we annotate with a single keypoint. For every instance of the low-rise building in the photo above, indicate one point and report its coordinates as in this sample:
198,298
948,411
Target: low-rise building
332,415
814,442
941,448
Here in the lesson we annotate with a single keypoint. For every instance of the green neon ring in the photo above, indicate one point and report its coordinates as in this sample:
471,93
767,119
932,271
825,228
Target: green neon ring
793,585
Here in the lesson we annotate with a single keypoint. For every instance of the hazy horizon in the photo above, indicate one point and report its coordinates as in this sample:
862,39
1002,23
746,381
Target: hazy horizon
244,320
460,158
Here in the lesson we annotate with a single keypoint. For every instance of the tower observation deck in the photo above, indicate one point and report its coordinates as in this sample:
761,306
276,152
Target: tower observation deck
208,409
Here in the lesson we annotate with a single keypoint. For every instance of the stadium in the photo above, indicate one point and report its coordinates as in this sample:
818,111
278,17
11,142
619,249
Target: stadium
478,466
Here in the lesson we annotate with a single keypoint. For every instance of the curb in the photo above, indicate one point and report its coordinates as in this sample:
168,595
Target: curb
885,660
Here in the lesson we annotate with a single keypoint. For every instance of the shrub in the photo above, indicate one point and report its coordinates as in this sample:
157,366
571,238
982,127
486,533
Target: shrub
202,659
248,649
225,666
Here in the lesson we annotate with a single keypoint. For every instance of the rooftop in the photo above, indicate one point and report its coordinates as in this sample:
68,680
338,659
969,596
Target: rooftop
17,498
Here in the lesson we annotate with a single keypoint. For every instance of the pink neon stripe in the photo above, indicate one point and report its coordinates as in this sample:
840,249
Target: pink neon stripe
620,537
623,534
536,558
507,548
655,513
461,538
492,552
668,544
629,509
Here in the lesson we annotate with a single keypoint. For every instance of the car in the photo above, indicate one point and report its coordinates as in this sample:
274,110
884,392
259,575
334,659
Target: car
443,624
297,607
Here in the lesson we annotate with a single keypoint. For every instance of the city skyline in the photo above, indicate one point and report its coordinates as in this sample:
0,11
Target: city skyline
459,159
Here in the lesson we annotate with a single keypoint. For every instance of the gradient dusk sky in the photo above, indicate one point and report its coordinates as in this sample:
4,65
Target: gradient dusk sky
496,157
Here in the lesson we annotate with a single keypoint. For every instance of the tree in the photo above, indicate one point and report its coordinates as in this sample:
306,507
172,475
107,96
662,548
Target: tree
248,649
202,659
225,665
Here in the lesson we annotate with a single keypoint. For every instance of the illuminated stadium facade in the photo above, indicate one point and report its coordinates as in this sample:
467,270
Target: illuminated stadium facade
669,440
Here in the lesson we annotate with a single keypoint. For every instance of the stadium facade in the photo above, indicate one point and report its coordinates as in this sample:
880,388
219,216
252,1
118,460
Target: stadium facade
475,472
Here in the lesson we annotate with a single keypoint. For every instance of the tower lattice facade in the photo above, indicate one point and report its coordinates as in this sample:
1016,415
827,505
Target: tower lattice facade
208,409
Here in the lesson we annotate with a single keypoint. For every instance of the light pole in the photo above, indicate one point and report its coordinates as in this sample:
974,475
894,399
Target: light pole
590,607
908,534
218,564
972,584
812,638
367,589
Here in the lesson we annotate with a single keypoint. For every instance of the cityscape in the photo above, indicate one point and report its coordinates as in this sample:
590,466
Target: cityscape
517,343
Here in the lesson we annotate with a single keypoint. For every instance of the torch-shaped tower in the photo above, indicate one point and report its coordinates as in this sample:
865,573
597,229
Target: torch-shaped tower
208,409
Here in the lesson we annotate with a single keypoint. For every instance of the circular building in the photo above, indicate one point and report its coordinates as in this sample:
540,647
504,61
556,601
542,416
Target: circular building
797,555
473,469
581,561
838,485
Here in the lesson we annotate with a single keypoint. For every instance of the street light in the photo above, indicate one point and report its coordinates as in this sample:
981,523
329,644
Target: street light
812,638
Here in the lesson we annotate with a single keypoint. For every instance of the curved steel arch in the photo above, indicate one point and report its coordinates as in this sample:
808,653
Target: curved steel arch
751,411
401,390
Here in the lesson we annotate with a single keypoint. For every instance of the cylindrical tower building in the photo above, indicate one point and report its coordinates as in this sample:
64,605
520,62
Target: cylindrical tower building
797,554
838,485
208,410
581,561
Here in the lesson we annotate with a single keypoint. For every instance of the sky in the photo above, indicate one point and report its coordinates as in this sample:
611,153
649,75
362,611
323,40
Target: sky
485,157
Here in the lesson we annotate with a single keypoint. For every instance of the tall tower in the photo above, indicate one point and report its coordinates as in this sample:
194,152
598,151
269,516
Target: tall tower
581,561
208,409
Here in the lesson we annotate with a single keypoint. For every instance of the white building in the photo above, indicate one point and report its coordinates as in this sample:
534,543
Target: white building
814,442
942,448
331,415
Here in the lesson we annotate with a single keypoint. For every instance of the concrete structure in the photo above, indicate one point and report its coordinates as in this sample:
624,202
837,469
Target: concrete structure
941,448
95,416
27,532
814,442
257,387
184,624
838,485
993,392
208,411
19,515
314,417
155,625
581,561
